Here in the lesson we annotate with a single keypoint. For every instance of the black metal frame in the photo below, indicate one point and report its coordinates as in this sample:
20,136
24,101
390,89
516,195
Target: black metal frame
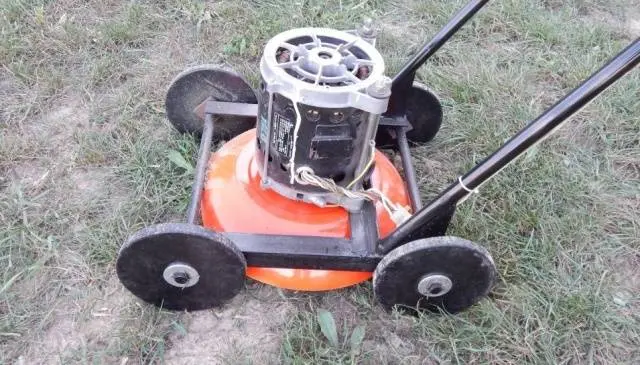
364,249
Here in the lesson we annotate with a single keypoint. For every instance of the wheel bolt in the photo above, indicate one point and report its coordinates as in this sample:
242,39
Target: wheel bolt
181,278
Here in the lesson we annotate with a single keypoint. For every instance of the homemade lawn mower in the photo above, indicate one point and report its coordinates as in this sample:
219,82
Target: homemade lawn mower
305,201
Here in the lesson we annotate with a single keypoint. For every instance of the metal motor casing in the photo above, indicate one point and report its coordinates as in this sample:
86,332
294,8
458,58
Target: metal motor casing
321,94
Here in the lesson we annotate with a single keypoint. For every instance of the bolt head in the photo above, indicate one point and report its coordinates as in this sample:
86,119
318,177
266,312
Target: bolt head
313,115
366,29
181,277
434,285
337,117
384,83
381,88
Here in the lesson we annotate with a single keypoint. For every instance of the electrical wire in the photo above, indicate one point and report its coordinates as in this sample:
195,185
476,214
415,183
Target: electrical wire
372,143
396,212
296,129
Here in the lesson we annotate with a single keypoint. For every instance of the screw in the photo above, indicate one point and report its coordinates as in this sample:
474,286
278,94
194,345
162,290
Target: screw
367,27
337,117
313,115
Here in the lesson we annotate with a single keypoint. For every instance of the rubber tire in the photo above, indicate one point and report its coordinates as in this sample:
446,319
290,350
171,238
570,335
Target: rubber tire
469,266
194,85
144,256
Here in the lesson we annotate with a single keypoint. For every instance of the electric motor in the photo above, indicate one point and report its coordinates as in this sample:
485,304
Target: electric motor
322,92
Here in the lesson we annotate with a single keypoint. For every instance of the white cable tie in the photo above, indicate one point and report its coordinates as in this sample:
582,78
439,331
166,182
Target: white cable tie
400,215
475,191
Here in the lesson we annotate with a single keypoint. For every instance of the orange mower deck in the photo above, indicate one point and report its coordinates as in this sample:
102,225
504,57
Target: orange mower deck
234,201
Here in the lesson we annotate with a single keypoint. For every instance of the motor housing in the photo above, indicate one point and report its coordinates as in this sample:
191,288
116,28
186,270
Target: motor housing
321,94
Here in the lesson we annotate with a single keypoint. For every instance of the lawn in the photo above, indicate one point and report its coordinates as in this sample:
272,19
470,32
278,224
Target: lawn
83,164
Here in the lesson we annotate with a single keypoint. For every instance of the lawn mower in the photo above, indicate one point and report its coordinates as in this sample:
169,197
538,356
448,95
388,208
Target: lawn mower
300,195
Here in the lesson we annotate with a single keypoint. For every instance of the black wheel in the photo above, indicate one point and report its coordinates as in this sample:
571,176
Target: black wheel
193,86
438,273
424,112
181,266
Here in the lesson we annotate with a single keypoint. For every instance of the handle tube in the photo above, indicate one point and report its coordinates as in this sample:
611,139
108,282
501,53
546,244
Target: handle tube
540,128
429,48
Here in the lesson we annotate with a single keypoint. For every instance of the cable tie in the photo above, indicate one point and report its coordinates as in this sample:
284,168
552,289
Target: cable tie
475,191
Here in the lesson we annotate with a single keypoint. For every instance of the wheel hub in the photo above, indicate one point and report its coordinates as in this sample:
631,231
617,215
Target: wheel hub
400,281
181,275
192,87
434,285
162,264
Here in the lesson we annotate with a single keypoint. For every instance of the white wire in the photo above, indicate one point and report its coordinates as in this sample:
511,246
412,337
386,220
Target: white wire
372,145
307,177
292,170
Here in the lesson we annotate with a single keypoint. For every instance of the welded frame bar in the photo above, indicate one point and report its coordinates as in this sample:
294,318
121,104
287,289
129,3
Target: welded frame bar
231,108
201,167
303,252
356,253
408,168
363,228
363,250
536,131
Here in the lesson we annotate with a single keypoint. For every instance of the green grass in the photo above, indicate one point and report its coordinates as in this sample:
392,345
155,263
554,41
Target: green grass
84,147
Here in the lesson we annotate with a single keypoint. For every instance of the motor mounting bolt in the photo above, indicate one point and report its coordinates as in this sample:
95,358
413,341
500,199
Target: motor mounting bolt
366,29
381,89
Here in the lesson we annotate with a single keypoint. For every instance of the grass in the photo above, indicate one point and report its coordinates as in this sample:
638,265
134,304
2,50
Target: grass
84,148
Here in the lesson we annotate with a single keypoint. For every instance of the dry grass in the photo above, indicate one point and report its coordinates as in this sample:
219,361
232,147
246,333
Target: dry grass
83,145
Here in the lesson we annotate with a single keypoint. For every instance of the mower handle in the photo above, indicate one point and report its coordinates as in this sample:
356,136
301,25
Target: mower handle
429,48
403,80
536,131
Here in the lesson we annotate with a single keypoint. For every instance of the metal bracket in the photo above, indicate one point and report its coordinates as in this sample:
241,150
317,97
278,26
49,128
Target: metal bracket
214,107
397,121
229,108
357,253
